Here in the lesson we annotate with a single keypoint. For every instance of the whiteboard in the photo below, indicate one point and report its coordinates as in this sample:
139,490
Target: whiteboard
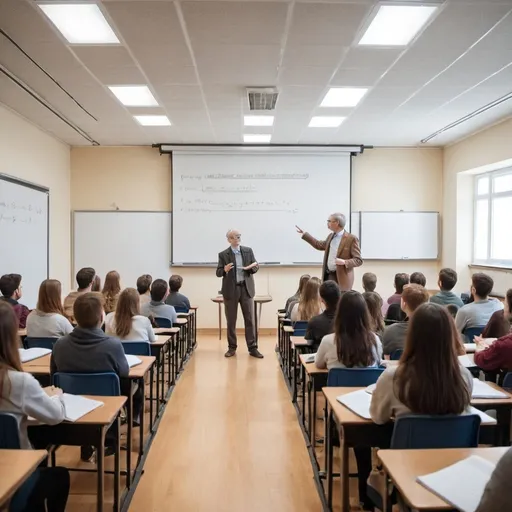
133,243
262,194
399,235
24,234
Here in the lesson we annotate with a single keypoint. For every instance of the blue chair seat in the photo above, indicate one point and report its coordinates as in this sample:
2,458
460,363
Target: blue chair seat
353,377
31,342
300,327
471,332
163,322
100,384
137,348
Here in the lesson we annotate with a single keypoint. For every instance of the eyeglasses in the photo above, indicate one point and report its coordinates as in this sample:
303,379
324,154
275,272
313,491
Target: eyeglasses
237,236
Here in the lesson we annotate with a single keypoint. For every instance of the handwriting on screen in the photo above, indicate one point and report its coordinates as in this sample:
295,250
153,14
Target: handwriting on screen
16,212
196,192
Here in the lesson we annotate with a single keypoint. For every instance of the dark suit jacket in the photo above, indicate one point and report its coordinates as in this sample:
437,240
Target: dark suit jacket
229,279
348,250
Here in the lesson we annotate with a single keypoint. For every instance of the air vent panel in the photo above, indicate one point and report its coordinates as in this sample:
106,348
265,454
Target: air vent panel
262,98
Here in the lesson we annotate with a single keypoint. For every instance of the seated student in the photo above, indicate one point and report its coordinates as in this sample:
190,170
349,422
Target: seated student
446,282
111,290
175,298
500,323
394,335
126,322
323,324
453,309
22,396
374,303
400,281
418,278
429,378
157,307
87,349
309,304
10,287
369,282
496,356
479,312
84,279
143,286
290,302
96,284
48,319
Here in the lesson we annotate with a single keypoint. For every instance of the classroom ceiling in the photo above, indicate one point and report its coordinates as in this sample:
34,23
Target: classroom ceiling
198,57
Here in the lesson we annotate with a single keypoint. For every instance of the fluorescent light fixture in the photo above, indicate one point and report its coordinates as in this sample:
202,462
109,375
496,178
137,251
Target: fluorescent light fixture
251,138
258,120
80,23
153,120
134,95
326,121
343,96
396,25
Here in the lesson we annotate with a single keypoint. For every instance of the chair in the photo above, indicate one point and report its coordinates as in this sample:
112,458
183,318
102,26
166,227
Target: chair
353,377
300,327
163,322
424,432
9,432
395,313
100,384
137,348
471,332
396,354
507,381
31,342
181,309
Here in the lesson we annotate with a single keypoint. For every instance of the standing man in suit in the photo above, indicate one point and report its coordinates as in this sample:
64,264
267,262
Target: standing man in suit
342,252
236,266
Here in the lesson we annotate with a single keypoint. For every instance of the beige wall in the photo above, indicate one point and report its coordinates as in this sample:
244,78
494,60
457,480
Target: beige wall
137,178
30,154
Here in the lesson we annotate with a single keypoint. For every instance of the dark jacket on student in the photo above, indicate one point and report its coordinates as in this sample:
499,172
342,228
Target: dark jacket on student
497,357
178,300
319,326
21,311
89,351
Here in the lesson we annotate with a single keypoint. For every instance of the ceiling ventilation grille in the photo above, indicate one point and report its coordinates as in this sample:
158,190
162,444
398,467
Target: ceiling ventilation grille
262,98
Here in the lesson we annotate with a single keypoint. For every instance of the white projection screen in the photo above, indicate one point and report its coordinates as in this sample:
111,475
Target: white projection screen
261,193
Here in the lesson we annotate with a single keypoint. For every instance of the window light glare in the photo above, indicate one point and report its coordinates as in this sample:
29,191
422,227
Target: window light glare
343,97
258,120
80,23
153,120
251,138
326,121
396,25
134,95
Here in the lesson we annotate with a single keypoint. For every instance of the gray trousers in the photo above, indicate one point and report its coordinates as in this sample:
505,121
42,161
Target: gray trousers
231,308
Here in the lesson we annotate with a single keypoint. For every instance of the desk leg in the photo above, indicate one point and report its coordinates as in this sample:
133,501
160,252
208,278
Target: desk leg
170,375
129,414
220,321
117,471
142,382
303,408
344,476
312,421
100,462
329,458
310,386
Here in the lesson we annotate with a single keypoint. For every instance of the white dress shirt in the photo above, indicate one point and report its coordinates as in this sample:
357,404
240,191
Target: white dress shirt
333,250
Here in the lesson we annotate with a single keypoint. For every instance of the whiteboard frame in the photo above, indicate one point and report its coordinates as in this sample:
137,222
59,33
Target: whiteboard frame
360,213
45,190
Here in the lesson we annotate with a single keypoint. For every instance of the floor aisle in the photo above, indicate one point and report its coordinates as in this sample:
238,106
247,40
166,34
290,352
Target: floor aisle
229,440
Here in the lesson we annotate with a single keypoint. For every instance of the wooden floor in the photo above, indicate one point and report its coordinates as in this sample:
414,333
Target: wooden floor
229,440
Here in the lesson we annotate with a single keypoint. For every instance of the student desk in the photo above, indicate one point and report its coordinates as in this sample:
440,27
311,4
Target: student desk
22,332
15,467
404,466
298,344
172,353
89,430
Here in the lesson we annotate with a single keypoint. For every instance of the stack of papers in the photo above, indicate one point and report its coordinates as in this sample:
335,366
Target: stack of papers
470,347
370,388
76,406
310,358
358,402
462,484
133,360
485,418
482,390
467,361
33,353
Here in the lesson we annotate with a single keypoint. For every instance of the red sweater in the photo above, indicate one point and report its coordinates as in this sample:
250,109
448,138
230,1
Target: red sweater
497,357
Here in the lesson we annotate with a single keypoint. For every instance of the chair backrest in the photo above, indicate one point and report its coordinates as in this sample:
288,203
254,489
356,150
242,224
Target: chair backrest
181,309
163,322
395,313
423,431
353,377
471,332
31,342
9,432
101,384
396,354
137,348
300,327
507,381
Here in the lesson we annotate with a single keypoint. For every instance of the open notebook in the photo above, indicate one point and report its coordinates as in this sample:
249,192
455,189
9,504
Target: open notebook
461,484
310,358
33,353
482,390
133,360
75,406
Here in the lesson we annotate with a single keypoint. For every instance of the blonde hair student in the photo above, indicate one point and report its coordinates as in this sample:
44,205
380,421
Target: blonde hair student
309,304
111,290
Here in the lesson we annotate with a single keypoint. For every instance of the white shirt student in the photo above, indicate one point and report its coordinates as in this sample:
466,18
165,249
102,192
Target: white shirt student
141,330
47,325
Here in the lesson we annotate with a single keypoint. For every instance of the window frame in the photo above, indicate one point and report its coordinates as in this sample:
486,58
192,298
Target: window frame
490,196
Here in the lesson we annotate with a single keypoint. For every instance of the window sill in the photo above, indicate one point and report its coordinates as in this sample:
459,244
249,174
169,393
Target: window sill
491,267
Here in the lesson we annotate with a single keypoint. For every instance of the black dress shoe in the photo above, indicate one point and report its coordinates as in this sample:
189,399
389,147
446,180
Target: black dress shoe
256,353
230,353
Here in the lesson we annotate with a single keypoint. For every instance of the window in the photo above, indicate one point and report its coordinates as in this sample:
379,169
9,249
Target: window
492,225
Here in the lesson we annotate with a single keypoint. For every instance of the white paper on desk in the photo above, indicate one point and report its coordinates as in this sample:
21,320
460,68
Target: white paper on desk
76,406
358,402
30,354
309,358
461,484
467,361
371,388
485,418
133,360
470,347
483,390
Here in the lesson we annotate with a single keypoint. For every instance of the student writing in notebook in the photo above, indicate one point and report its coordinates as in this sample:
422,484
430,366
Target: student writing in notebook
11,289
111,290
22,396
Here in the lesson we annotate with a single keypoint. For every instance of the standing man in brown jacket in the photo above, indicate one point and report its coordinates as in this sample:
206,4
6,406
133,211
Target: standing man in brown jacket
342,252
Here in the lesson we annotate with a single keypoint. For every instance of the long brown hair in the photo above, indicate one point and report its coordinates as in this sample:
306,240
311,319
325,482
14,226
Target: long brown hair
49,299
111,290
9,343
96,284
309,302
304,278
428,379
128,306
374,304
355,341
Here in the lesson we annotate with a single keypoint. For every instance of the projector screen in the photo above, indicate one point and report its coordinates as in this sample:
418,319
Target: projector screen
261,193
